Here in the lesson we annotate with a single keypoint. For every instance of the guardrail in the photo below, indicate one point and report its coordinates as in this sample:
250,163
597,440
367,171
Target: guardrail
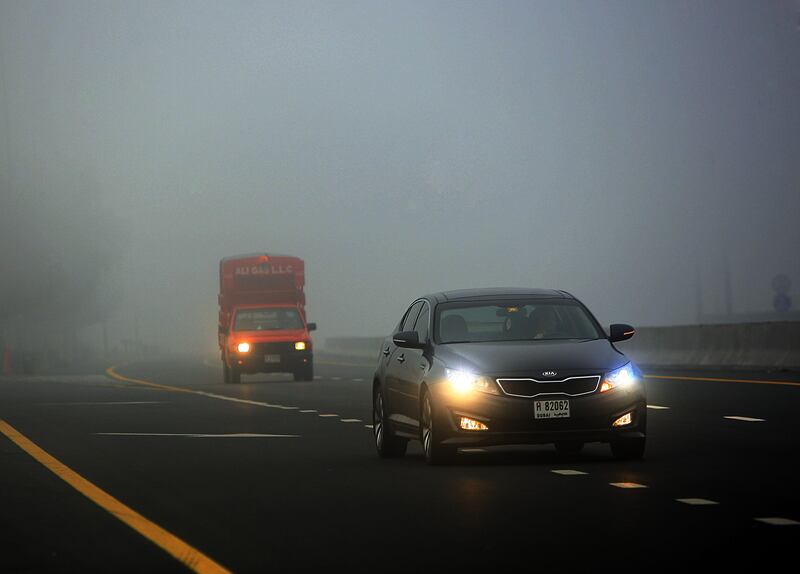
773,345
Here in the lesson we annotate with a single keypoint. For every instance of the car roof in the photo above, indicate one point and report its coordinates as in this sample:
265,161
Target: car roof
498,293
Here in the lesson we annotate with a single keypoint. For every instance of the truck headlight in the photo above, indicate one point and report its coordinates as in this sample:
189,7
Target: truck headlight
463,382
622,378
243,347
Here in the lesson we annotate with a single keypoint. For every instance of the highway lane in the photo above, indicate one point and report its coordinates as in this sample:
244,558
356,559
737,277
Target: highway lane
316,496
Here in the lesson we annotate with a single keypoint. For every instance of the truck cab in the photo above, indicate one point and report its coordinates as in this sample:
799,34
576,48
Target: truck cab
262,323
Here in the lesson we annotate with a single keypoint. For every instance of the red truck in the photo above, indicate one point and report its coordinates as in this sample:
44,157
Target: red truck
262,317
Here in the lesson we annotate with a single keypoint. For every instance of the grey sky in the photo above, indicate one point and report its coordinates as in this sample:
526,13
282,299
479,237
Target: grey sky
613,149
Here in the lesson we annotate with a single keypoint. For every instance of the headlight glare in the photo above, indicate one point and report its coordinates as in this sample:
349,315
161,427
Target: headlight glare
463,382
243,347
622,378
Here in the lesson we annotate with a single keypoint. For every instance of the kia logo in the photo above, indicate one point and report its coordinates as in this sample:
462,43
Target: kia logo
549,373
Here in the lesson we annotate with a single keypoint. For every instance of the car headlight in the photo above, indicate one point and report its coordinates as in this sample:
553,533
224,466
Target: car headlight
463,382
243,347
300,346
623,378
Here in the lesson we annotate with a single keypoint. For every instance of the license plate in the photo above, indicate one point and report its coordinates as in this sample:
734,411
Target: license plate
272,358
551,409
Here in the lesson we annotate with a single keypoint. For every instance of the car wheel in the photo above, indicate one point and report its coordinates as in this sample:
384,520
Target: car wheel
569,447
435,451
386,443
304,373
628,449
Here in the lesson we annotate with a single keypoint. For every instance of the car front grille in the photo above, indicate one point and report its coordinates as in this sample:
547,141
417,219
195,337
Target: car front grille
530,388
272,348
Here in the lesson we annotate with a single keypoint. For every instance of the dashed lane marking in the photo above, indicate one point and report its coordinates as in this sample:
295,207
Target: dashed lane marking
569,472
200,435
778,521
351,420
658,407
697,501
174,546
745,419
357,380
328,415
627,485
368,426
472,449
718,380
309,411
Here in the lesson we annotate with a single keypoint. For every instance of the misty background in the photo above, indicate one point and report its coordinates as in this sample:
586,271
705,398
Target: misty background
628,152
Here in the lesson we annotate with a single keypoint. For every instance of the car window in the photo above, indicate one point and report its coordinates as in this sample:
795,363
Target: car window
521,321
411,316
421,325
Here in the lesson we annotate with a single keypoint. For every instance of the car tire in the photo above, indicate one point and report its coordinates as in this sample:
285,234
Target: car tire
386,443
569,447
436,453
628,449
305,373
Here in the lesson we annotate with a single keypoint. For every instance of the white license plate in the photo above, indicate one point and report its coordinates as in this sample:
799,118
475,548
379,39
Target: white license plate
272,358
551,409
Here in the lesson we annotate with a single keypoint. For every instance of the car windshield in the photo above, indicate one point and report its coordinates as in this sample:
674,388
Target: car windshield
267,319
463,322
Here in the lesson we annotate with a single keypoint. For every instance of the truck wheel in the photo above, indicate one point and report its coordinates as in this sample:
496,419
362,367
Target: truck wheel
305,373
235,376
226,374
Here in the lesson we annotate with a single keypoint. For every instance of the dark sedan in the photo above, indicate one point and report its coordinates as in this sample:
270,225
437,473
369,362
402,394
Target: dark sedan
506,366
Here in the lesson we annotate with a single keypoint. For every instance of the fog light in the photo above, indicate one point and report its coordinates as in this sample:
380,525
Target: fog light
467,423
624,420
299,346
243,347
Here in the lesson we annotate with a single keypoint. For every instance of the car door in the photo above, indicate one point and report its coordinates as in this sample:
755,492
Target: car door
395,358
414,366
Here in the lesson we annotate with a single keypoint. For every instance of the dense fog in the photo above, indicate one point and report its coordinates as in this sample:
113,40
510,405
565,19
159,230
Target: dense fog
628,152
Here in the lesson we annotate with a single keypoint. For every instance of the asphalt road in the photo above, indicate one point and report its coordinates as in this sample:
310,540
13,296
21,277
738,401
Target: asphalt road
284,477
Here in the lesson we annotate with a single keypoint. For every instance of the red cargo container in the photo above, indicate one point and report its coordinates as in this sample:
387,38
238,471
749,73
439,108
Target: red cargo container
262,317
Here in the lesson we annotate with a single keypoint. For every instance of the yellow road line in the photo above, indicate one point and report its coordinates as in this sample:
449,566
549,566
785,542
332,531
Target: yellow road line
113,374
716,380
177,548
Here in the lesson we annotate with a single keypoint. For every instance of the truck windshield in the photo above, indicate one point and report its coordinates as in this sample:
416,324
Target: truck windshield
505,321
267,320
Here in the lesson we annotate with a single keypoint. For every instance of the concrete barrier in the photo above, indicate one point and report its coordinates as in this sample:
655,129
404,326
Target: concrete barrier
772,345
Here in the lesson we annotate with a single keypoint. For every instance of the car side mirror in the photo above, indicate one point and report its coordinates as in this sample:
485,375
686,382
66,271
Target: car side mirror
407,339
620,332
312,326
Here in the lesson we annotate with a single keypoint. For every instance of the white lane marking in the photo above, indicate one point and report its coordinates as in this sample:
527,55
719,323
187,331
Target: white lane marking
472,449
336,378
309,411
569,472
351,420
627,485
329,415
108,403
242,401
778,521
697,501
657,408
745,419
356,380
368,426
200,435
